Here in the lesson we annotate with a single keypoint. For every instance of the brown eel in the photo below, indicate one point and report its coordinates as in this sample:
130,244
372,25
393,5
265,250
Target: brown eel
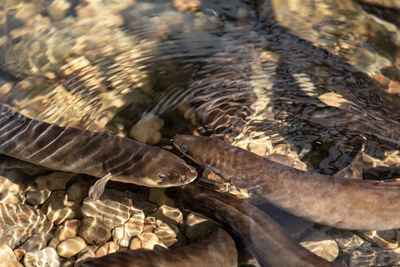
269,241
97,154
337,202
216,250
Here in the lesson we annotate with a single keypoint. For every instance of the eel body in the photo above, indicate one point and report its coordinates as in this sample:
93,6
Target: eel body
98,154
269,241
337,202
216,250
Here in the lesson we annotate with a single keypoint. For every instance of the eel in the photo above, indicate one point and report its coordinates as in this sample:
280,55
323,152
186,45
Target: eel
97,154
217,249
271,244
335,201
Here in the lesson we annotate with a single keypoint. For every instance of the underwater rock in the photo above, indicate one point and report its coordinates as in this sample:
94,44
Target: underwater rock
78,190
71,247
165,233
158,196
54,181
58,8
388,239
107,248
8,257
148,129
39,240
149,240
198,226
149,224
94,231
44,257
88,252
135,244
169,215
68,230
37,196
58,208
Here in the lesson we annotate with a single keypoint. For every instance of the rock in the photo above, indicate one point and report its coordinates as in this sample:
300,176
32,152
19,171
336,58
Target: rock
198,226
78,190
68,230
94,231
134,226
88,252
388,239
135,244
148,129
107,248
71,247
54,181
19,253
165,233
149,224
158,196
58,8
120,236
8,198
53,242
149,240
44,257
169,215
58,208
19,222
7,186
8,257
321,245
39,240
190,5
36,196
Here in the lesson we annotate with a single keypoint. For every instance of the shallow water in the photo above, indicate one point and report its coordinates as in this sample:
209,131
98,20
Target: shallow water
317,81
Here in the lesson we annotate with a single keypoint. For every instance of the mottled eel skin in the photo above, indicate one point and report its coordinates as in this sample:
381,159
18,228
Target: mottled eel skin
97,154
338,202
269,241
216,250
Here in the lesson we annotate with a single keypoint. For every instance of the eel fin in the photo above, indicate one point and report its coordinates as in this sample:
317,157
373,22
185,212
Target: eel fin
243,184
96,190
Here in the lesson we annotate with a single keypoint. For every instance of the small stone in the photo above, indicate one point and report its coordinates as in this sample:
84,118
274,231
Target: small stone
71,247
58,8
134,226
149,240
387,239
321,245
53,242
107,248
68,230
58,208
198,226
54,181
78,190
19,253
166,235
94,231
37,197
148,129
183,5
27,11
158,196
135,244
120,236
8,257
149,225
169,215
88,252
8,198
39,240
44,257
7,186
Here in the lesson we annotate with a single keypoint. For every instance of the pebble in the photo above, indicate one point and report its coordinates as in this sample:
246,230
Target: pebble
36,196
8,257
107,248
168,214
78,190
71,247
322,245
388,239
19,253
198,226
44,257
8,198
120,236
135,244
165,233
148,129
88,252
68,230
149,240
19,222
54,181
149,224
58,8
58,208
39,240
94,231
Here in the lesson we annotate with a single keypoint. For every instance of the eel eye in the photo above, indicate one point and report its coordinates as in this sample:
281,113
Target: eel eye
162,175
184,148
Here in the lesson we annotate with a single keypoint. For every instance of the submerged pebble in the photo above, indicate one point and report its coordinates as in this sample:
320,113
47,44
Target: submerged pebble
44,257
70,247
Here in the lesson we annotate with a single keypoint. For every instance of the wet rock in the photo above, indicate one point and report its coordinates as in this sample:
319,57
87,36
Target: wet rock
71,247
44,257
27,11
120,236
78,190
133,227
388,239
88,252
158,196
58,208
135,244
54,181
169,215
58,8
8,198
36,196
94,231
346,239
7,186
148,129
322,245
149,240
190,5
107,248
19,222
8,257
149,224
19,253
165,233
68,230
198,226
53,243
39,240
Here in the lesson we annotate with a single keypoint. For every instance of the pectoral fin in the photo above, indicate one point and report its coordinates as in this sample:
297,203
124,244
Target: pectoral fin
243,184
96,190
